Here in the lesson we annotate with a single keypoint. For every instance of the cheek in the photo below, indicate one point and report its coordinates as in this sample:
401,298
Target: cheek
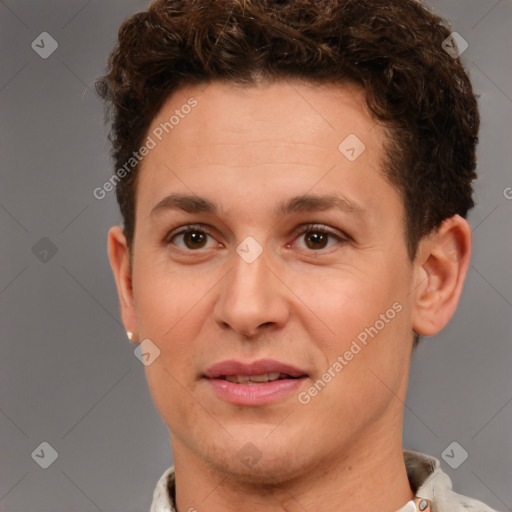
366,321
344,303
164,296
170,313
175,328
167,389
370,379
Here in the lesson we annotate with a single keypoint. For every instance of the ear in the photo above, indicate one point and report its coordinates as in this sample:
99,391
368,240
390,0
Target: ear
440,269
119,255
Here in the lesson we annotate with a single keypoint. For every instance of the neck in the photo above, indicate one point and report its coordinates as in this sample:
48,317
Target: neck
370,475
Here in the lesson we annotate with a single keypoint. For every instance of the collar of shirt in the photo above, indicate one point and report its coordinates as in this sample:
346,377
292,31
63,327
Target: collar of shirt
431,485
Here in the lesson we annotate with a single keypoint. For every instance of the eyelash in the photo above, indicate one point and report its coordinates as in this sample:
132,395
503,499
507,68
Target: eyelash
300,231
320,228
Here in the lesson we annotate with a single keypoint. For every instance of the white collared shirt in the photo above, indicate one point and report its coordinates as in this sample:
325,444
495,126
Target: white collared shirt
426,478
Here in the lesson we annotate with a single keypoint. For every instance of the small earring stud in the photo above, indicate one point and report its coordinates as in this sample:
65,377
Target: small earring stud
130,335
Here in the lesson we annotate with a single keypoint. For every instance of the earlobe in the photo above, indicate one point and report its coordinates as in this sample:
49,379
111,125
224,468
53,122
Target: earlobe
440,269
119,257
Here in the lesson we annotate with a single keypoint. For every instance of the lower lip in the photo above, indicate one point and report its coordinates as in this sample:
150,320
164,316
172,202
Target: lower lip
255,394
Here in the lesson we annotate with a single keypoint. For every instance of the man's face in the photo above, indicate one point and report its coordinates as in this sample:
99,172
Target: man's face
324,277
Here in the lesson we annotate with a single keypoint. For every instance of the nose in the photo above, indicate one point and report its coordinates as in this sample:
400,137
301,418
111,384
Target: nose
252,297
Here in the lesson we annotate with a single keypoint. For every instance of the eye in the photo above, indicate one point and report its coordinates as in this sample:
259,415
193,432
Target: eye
192,237
317,237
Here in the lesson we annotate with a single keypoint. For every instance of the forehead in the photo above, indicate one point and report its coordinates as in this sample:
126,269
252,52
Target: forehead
279,114
276,138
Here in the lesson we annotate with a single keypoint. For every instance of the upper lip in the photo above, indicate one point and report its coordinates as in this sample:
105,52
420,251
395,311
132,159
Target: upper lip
259,367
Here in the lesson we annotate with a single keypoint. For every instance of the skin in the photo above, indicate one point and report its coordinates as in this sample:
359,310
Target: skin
247,150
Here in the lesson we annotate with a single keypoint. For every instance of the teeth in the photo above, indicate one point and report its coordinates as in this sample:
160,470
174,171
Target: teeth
264,377
238,379
254,379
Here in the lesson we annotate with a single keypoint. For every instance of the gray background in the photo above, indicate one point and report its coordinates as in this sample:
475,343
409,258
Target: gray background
68,375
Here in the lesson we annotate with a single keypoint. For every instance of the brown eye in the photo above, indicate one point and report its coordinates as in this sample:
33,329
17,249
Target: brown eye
191,238
194,239
316,239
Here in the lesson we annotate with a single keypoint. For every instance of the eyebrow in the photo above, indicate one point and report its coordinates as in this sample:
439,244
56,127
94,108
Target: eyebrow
298,204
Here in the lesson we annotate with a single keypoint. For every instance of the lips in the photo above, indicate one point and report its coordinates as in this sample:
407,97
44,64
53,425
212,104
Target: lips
262,367
258,383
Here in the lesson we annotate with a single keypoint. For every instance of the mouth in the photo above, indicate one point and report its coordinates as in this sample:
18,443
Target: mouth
256,379
256,383
260,370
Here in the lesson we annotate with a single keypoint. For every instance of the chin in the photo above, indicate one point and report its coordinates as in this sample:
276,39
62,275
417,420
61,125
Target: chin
265,472
257,460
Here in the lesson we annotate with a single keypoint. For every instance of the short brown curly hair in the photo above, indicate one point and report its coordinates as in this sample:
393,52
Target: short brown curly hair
393,49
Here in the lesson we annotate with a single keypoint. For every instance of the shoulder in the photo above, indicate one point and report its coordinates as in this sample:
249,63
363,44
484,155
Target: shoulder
162,495
430,482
